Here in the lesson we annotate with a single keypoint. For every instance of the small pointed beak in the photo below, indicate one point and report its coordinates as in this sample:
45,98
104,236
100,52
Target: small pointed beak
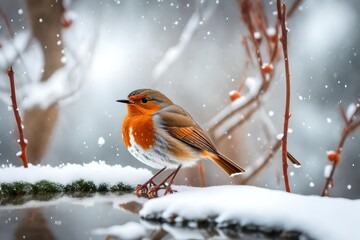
125,101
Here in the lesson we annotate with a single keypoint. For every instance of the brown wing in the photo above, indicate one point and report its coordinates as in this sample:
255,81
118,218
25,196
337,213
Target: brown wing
193,137
180,125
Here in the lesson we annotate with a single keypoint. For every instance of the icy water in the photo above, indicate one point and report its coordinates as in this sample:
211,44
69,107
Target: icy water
76,217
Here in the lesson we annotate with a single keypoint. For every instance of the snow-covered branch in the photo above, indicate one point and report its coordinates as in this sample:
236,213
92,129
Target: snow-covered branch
224,117
201,14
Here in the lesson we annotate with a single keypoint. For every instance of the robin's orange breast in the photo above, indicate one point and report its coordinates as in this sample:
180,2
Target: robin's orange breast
142,129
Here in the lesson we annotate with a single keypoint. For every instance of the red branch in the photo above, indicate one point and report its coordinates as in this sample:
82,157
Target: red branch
281,9
351,124
21,141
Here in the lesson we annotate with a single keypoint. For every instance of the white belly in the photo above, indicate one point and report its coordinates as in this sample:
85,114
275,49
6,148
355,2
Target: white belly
155,157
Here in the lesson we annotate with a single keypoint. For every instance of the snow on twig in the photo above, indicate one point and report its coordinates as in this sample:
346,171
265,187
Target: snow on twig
247,11
203,13
224,116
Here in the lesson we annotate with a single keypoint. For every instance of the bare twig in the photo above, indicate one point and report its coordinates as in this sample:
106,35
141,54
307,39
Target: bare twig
245,9
293,7
281,9
352,122
22,141
270,131
265,162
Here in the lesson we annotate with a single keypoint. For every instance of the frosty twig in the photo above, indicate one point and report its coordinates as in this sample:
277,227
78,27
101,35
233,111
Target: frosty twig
22,141
352,122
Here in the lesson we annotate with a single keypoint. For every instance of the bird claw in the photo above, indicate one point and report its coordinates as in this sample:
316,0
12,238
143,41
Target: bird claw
153,193
144,189
150,189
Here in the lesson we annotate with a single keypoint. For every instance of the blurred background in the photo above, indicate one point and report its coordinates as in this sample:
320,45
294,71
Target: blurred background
73,59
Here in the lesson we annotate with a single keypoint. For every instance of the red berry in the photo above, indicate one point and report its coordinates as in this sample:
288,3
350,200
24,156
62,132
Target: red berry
267,68
66,23
234,95
333,156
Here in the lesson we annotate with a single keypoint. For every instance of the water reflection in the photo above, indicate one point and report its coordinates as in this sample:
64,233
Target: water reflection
64,217
33,226
67,217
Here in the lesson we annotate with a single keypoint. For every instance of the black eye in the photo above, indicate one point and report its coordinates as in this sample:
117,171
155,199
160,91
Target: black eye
144,100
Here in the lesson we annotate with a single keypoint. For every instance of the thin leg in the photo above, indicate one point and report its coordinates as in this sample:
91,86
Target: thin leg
169,189
163,185
202,174
144,188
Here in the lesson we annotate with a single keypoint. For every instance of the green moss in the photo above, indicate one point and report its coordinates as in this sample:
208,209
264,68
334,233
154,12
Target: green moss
46,187
81,186
15,188
103,187
120,187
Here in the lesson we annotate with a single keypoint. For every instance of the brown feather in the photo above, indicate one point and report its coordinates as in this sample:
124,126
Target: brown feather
181,126
231,168
192,137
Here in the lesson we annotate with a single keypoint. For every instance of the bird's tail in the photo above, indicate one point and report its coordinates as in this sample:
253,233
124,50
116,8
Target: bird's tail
231,168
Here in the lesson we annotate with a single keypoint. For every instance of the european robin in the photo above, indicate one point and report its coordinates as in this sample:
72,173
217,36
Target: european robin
163,135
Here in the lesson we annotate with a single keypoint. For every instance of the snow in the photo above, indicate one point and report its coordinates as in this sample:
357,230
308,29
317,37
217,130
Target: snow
318,217
202,13
101,141
327,170
11,48
98,172
350,111
45,93
130,230
254,86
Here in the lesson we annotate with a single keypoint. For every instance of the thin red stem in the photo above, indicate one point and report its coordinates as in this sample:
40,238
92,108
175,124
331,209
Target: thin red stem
15,108
349,127
281,8
245,9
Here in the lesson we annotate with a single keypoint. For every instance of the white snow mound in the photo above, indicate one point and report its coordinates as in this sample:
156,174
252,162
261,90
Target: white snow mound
318,217
98,172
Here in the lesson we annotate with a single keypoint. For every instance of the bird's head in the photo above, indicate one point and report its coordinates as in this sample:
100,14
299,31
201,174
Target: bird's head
146,101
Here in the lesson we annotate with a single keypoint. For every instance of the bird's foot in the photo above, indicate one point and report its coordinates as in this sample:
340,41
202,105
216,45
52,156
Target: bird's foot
143,189
153,193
